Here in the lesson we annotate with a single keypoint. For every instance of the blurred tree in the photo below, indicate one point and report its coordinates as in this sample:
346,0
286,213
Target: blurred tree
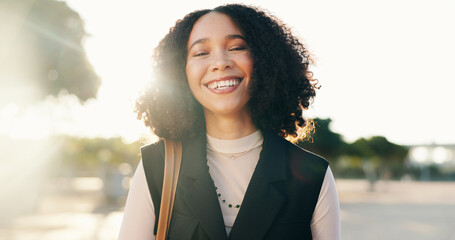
42,52
392,156
324,141
372,156
359,148
385,149
377,151
89,154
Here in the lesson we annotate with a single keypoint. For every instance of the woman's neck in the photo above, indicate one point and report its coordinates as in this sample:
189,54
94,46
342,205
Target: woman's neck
228,127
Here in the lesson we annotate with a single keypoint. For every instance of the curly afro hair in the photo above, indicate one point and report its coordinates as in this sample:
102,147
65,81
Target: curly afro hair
281,87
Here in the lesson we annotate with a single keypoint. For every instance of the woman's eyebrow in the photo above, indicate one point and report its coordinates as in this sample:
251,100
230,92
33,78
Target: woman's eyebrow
235,36
199,41
228,37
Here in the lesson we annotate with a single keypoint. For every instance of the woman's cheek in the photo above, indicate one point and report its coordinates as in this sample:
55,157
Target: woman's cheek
195,70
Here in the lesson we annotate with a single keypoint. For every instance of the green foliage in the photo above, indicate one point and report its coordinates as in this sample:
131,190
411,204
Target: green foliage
378,146
45,40
350,158
91,153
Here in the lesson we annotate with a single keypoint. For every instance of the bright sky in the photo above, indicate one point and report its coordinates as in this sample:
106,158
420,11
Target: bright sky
386,67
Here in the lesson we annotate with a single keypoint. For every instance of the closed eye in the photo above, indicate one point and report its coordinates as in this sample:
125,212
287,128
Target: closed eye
237,49
200,54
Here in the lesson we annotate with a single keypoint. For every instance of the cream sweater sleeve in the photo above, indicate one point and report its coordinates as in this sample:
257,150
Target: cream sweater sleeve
325,224
139,216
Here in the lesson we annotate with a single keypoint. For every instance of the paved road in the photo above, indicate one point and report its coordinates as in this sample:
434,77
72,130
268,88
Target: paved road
397,210
394,210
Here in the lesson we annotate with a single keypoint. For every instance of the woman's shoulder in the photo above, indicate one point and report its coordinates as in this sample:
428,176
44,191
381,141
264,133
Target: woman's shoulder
152,145
298,161
152,151
295,152
153,164
303,154
305,162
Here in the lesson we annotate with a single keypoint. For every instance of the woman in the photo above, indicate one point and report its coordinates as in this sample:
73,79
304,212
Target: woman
231,84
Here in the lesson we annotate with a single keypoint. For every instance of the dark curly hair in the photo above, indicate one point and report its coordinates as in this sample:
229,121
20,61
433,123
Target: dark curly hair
281,87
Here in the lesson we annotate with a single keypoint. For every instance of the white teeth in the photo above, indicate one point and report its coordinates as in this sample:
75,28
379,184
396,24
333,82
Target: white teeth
223,84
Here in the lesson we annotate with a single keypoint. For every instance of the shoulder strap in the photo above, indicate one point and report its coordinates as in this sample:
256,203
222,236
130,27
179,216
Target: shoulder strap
172,162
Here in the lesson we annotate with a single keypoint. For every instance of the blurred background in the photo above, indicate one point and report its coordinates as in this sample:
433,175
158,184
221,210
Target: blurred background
69,140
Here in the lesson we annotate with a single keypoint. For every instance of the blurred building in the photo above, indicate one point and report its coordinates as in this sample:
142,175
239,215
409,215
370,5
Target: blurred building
434,161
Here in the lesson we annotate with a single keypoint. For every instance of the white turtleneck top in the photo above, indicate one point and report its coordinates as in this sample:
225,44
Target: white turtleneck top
231,165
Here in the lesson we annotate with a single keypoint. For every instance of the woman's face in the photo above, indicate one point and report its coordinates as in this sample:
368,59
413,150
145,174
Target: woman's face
219,65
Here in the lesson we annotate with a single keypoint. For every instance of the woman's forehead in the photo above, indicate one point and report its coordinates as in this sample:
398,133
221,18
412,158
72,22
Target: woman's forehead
213,26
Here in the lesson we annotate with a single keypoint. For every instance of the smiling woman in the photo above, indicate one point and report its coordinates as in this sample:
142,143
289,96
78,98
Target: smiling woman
231,84
219,67
280,84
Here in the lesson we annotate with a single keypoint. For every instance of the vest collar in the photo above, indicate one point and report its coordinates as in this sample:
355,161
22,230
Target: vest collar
263,198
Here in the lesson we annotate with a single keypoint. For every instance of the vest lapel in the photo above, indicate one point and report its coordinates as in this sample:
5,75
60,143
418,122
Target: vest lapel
263,199
198,190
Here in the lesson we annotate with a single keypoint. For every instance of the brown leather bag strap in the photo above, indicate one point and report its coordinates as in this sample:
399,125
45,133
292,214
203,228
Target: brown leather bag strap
172,162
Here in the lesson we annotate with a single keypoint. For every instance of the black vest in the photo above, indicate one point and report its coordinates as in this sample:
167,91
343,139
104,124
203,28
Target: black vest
278,204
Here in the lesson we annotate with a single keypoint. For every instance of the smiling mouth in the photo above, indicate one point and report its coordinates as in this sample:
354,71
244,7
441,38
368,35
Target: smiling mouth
214,85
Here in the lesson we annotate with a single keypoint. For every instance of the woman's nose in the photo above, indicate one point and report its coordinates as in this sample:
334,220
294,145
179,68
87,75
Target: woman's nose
221,62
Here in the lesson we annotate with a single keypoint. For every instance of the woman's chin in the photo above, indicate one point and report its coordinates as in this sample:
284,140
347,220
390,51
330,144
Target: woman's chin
226,111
